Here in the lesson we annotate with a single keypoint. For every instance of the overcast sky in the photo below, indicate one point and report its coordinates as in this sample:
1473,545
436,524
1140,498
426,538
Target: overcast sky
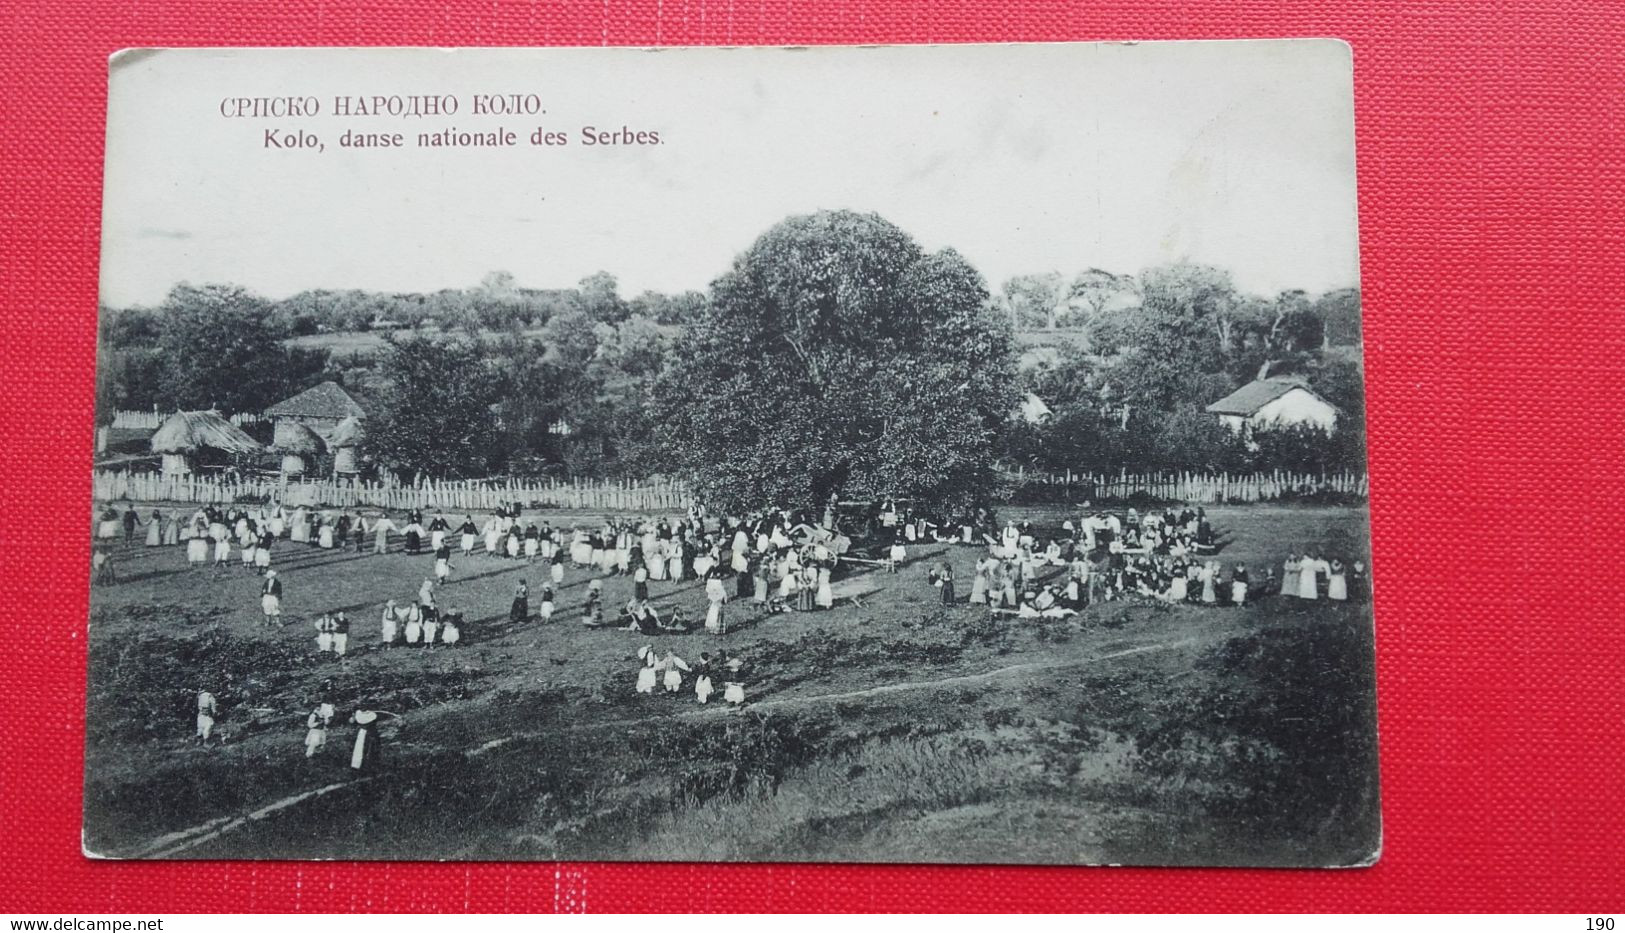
1023,158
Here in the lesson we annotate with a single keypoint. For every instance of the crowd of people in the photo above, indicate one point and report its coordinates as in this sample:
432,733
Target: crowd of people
775,561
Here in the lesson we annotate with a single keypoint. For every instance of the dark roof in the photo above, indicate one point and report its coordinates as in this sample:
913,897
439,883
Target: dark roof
1248,399
323,400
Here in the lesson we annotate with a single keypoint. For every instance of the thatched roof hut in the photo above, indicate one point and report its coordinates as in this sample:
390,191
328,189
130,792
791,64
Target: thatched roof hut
291,437
348,433
295,443
186,434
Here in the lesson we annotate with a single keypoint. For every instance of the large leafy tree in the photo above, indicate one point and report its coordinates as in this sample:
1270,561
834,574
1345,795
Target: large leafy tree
434,415
219,350
837,356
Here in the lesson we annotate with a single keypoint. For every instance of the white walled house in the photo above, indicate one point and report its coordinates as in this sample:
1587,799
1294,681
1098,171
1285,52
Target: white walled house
1274,403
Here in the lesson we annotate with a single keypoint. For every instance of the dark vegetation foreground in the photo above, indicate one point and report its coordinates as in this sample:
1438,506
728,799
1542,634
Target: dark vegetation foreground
895,731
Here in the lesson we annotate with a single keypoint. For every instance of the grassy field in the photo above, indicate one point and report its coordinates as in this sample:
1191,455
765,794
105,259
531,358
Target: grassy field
894,731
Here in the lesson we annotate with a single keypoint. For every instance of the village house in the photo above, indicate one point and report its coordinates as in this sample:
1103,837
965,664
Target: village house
1274,402
320,408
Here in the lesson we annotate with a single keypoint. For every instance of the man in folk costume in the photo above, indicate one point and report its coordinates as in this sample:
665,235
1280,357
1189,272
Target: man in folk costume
672,669
262,552
702,678
1238,585
271,598
366,754
469,533
207,708
442,562
316,728
437,531
380,528
131,519
324,634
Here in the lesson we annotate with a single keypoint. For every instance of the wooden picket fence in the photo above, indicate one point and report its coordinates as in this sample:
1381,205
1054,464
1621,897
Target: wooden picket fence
459,496
1197,487
152,420
667,496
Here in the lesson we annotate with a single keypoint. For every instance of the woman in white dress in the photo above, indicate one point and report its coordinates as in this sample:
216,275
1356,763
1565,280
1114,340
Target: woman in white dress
1178,587
655,559
197,547
1337,583
826,594
325,536
674,563
1309,577
733,682
492,532
222,550
978,583
414,625
647,673
388,627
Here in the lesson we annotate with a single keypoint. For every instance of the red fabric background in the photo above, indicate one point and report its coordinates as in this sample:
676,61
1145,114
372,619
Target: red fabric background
1492,215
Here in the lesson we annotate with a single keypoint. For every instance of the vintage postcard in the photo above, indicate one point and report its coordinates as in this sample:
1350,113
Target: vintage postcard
900,454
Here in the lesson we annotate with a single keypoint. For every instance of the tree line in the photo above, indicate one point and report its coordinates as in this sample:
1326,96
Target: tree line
834,356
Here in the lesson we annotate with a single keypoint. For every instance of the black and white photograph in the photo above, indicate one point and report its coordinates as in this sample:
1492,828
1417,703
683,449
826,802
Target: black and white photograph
920,454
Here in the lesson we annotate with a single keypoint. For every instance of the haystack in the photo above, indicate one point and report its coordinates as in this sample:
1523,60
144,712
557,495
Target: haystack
295,443
346,443
186,434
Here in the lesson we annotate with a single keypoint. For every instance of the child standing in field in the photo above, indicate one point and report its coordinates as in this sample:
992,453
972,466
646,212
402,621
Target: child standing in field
101,563
545,610
271,599
442,563
316,728
702,678
647,673
207,707
733,682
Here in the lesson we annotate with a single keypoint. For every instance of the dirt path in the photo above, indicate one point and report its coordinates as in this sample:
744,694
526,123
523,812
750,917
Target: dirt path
172,844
